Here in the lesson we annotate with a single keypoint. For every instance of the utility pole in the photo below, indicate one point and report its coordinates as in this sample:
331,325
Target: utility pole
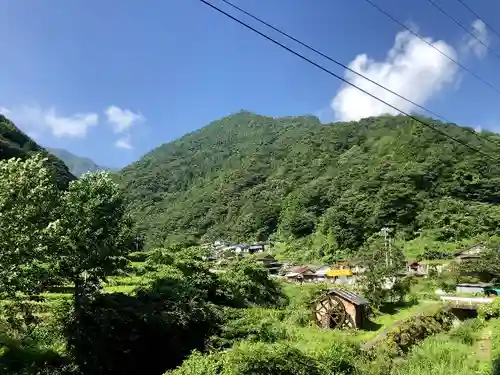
385,230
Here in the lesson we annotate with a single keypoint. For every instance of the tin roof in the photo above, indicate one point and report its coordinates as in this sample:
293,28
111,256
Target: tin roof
349,296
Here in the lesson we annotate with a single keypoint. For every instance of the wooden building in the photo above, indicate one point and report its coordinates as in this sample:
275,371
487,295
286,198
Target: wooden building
339,308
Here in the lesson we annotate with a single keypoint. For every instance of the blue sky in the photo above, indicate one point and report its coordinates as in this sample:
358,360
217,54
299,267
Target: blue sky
111,80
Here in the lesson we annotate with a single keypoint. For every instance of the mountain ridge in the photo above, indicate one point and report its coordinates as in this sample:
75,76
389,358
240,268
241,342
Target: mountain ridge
77,165
15,143
250,177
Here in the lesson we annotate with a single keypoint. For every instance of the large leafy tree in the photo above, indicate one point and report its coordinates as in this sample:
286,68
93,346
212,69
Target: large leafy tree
48,236
380,283
94,231
28,226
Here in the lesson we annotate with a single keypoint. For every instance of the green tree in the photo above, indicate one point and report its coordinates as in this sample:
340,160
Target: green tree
245,283
95,233
28,226
380,283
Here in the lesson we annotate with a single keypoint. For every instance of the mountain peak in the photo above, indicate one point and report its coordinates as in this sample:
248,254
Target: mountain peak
78,165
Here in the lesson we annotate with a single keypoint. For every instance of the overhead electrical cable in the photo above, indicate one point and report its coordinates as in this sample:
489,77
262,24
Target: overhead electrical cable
455,61
456,22
344,80
352,70
478,17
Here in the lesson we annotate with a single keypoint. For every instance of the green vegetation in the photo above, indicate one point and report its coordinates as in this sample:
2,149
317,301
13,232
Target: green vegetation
78,296
14,143
323,190
77,165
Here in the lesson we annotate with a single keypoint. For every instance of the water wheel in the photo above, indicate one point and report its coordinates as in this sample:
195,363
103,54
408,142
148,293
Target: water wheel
329,312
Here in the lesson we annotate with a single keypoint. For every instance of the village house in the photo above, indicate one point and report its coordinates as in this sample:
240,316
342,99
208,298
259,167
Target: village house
341,276
300,274
470,253
321,273
269,263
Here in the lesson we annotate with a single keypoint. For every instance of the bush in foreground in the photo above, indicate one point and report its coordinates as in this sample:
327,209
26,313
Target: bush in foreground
251,359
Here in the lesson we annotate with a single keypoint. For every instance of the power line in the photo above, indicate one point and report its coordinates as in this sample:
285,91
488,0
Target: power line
344,80
462,27
463,67
477,16
353,71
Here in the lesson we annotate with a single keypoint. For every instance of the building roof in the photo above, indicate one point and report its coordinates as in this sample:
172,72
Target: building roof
264,256
301,270
349,296
255,246
478,285
471,250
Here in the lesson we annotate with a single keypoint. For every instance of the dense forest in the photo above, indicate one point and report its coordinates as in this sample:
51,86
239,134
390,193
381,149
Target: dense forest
77,165
250,177
14,143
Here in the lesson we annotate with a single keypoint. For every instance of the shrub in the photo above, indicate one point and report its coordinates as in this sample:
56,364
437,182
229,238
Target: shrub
253,325
251,359
27,358
147,334
138,256
336,359
411,331
489,310
246,283
466,333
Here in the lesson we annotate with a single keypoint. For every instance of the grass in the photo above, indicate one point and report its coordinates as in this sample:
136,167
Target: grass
310,335
439,355
456,353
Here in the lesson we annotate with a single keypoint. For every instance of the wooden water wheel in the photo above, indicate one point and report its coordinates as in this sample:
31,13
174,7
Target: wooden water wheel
329,312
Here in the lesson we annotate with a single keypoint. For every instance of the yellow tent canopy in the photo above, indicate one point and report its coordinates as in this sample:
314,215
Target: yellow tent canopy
336,273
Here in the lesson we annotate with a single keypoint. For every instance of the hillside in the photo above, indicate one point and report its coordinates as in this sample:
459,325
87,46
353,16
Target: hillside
77,165
14,143
248,177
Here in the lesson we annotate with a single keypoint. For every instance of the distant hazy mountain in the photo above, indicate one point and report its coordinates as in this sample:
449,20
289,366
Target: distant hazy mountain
77,165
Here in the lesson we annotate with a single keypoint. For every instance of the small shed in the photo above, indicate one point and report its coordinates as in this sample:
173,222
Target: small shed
472,288
339,308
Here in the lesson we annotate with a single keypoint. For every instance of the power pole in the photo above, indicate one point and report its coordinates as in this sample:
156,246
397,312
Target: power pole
385,230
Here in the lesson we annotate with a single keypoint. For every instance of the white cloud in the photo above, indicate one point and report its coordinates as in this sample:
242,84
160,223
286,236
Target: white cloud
34,120
124,142
122,120
411,68
472,44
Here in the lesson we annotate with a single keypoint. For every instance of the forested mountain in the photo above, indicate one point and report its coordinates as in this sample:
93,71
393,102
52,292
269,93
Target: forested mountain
77,165
248,177
14,143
